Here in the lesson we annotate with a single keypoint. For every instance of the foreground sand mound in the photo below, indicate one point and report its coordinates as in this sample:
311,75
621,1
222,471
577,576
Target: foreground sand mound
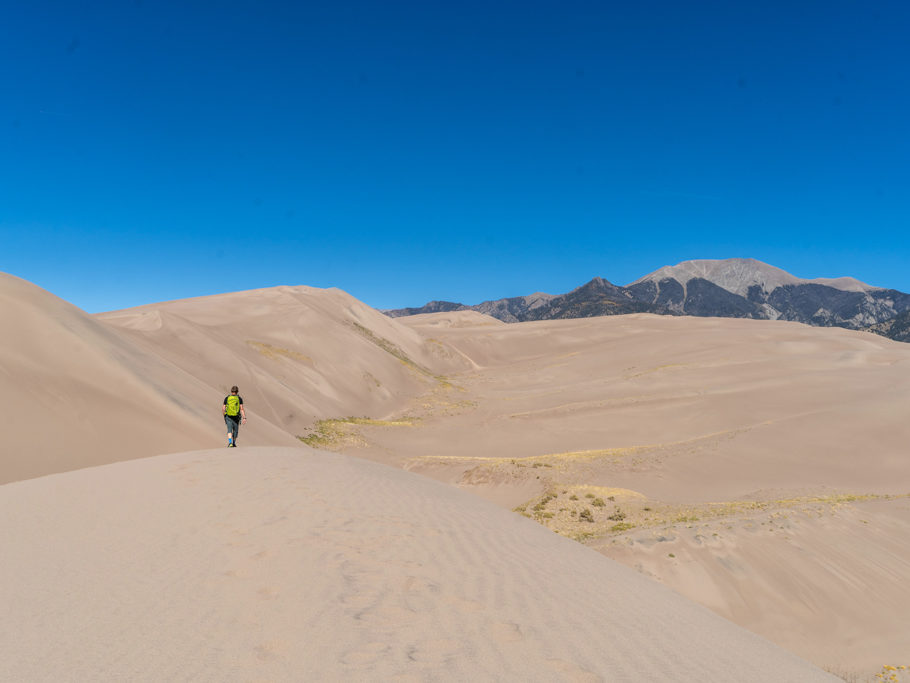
77,394
298,353
282,564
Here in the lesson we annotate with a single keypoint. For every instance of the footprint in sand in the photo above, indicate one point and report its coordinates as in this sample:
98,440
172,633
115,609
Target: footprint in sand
361,599
419,594
436,651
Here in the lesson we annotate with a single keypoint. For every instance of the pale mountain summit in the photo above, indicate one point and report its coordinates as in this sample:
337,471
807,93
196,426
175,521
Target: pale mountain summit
738,275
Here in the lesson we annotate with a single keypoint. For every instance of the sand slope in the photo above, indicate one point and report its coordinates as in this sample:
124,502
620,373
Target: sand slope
798,433
726,407
154,377
680,420
283,564
826,582
297,353
78,394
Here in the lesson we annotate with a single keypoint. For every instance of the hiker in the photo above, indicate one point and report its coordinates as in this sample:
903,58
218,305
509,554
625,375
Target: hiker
233,414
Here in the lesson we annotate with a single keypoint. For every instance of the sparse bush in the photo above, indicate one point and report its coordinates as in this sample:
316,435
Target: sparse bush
586,515
543,502
617,516
598,503
589,495
892,674
573,497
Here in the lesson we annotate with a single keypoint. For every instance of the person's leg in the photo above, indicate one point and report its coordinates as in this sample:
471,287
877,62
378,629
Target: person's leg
231,433
236,430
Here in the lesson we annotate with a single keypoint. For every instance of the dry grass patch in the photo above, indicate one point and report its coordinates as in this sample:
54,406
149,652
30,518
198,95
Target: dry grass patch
586,512
339,433
472,461
277,353
597,454
657,368
553,461
888,674
443,400
582,512
391,348
437,400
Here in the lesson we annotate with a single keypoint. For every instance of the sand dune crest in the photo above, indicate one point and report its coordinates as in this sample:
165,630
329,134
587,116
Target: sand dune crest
282,564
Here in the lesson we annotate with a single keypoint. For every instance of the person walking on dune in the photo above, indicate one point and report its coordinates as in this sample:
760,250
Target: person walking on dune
233,414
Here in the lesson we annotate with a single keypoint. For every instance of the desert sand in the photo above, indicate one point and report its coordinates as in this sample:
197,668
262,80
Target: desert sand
756,468
759,468
96,389
282,564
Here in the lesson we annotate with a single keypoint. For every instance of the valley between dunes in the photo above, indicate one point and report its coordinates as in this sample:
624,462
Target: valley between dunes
759,469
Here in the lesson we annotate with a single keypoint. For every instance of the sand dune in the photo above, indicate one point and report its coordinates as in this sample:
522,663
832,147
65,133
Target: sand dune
298,353
153,378
702,430
827,581
283,564
730,406
759,468
79,394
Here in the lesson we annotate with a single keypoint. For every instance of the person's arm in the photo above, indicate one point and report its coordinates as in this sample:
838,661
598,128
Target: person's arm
242,413
224,407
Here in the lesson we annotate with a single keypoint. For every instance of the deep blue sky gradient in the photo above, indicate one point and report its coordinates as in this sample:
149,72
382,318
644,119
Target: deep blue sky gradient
413,151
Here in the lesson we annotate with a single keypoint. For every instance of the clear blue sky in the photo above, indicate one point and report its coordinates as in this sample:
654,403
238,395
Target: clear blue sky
408,151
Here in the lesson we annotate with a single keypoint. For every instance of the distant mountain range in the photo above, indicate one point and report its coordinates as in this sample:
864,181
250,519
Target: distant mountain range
729,288
897,328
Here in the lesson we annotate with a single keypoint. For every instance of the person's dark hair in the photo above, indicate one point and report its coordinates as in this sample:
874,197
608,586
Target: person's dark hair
234,389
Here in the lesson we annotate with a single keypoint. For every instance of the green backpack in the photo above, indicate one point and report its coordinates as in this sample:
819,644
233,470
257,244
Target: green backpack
233,406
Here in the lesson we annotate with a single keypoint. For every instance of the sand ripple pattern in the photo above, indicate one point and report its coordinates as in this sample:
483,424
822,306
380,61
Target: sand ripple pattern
274,564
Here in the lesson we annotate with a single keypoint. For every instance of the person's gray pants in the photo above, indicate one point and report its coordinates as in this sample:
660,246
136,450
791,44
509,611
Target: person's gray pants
233,426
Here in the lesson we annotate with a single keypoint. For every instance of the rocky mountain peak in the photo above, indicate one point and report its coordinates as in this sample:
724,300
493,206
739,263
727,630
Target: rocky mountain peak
738,275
